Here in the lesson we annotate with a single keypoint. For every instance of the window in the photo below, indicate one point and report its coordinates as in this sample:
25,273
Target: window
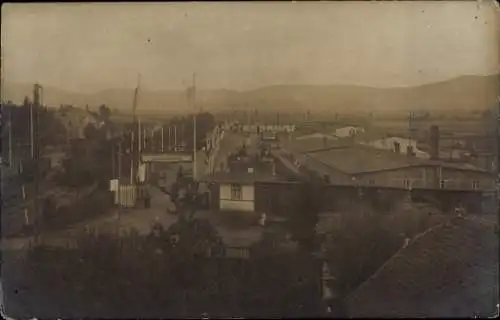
236,192
441,184
371,181
475,184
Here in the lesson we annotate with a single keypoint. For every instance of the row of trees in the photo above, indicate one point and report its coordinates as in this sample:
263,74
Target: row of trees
49,129
90,160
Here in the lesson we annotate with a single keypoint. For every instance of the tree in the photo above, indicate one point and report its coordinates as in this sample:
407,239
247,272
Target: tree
90,132
104,113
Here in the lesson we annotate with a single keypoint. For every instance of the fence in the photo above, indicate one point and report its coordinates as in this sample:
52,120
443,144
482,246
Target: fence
125,195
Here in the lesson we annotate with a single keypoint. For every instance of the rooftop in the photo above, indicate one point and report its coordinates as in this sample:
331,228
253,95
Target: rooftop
361,159
241,177
450,271
312,143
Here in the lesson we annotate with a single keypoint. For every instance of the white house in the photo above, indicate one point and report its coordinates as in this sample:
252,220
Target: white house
236,190
349,131
237,195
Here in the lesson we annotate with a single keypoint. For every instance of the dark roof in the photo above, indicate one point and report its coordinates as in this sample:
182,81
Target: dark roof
298,145
361,159
240,177
449,271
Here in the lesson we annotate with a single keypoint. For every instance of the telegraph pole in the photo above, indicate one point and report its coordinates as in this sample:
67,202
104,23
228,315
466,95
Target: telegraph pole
139,136
35,154
132,154
10,138
162,138
175,136
134,129
32,132
118,192
194,126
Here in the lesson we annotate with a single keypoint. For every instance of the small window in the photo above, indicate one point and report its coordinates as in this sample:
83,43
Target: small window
371,182
441,184
236,192
475,184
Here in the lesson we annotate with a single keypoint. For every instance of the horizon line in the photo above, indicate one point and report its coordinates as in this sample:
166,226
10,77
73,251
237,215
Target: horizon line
144,88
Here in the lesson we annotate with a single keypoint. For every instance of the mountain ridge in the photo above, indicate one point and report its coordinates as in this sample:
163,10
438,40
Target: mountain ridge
472,92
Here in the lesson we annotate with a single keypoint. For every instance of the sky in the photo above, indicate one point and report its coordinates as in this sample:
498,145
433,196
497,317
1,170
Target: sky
89,47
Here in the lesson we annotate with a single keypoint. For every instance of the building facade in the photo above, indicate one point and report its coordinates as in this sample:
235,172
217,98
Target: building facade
237,196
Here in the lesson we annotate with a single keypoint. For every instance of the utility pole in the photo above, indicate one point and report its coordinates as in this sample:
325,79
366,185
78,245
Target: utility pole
119,188
139,137
32,132
162,138
10,138
169,137
194,126
132,154
134,129
175,136
35,153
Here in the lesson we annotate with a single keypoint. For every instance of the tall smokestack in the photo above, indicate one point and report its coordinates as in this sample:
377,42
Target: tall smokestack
434,142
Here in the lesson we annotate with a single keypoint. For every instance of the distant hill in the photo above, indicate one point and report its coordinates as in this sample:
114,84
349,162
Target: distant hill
462,93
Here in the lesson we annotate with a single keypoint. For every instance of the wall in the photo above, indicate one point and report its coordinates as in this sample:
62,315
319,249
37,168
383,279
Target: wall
275,198
427,177
395,178
245,204
461,179
342,198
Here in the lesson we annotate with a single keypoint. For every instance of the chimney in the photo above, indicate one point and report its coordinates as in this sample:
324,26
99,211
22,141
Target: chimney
397,147
434,142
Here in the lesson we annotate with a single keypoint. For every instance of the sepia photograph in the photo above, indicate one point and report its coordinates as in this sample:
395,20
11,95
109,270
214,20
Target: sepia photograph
238,160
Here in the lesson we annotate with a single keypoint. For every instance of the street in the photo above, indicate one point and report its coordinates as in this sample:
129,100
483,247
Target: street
230,143
139,218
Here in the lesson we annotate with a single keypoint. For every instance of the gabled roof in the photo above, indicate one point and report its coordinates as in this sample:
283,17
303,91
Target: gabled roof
449,271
